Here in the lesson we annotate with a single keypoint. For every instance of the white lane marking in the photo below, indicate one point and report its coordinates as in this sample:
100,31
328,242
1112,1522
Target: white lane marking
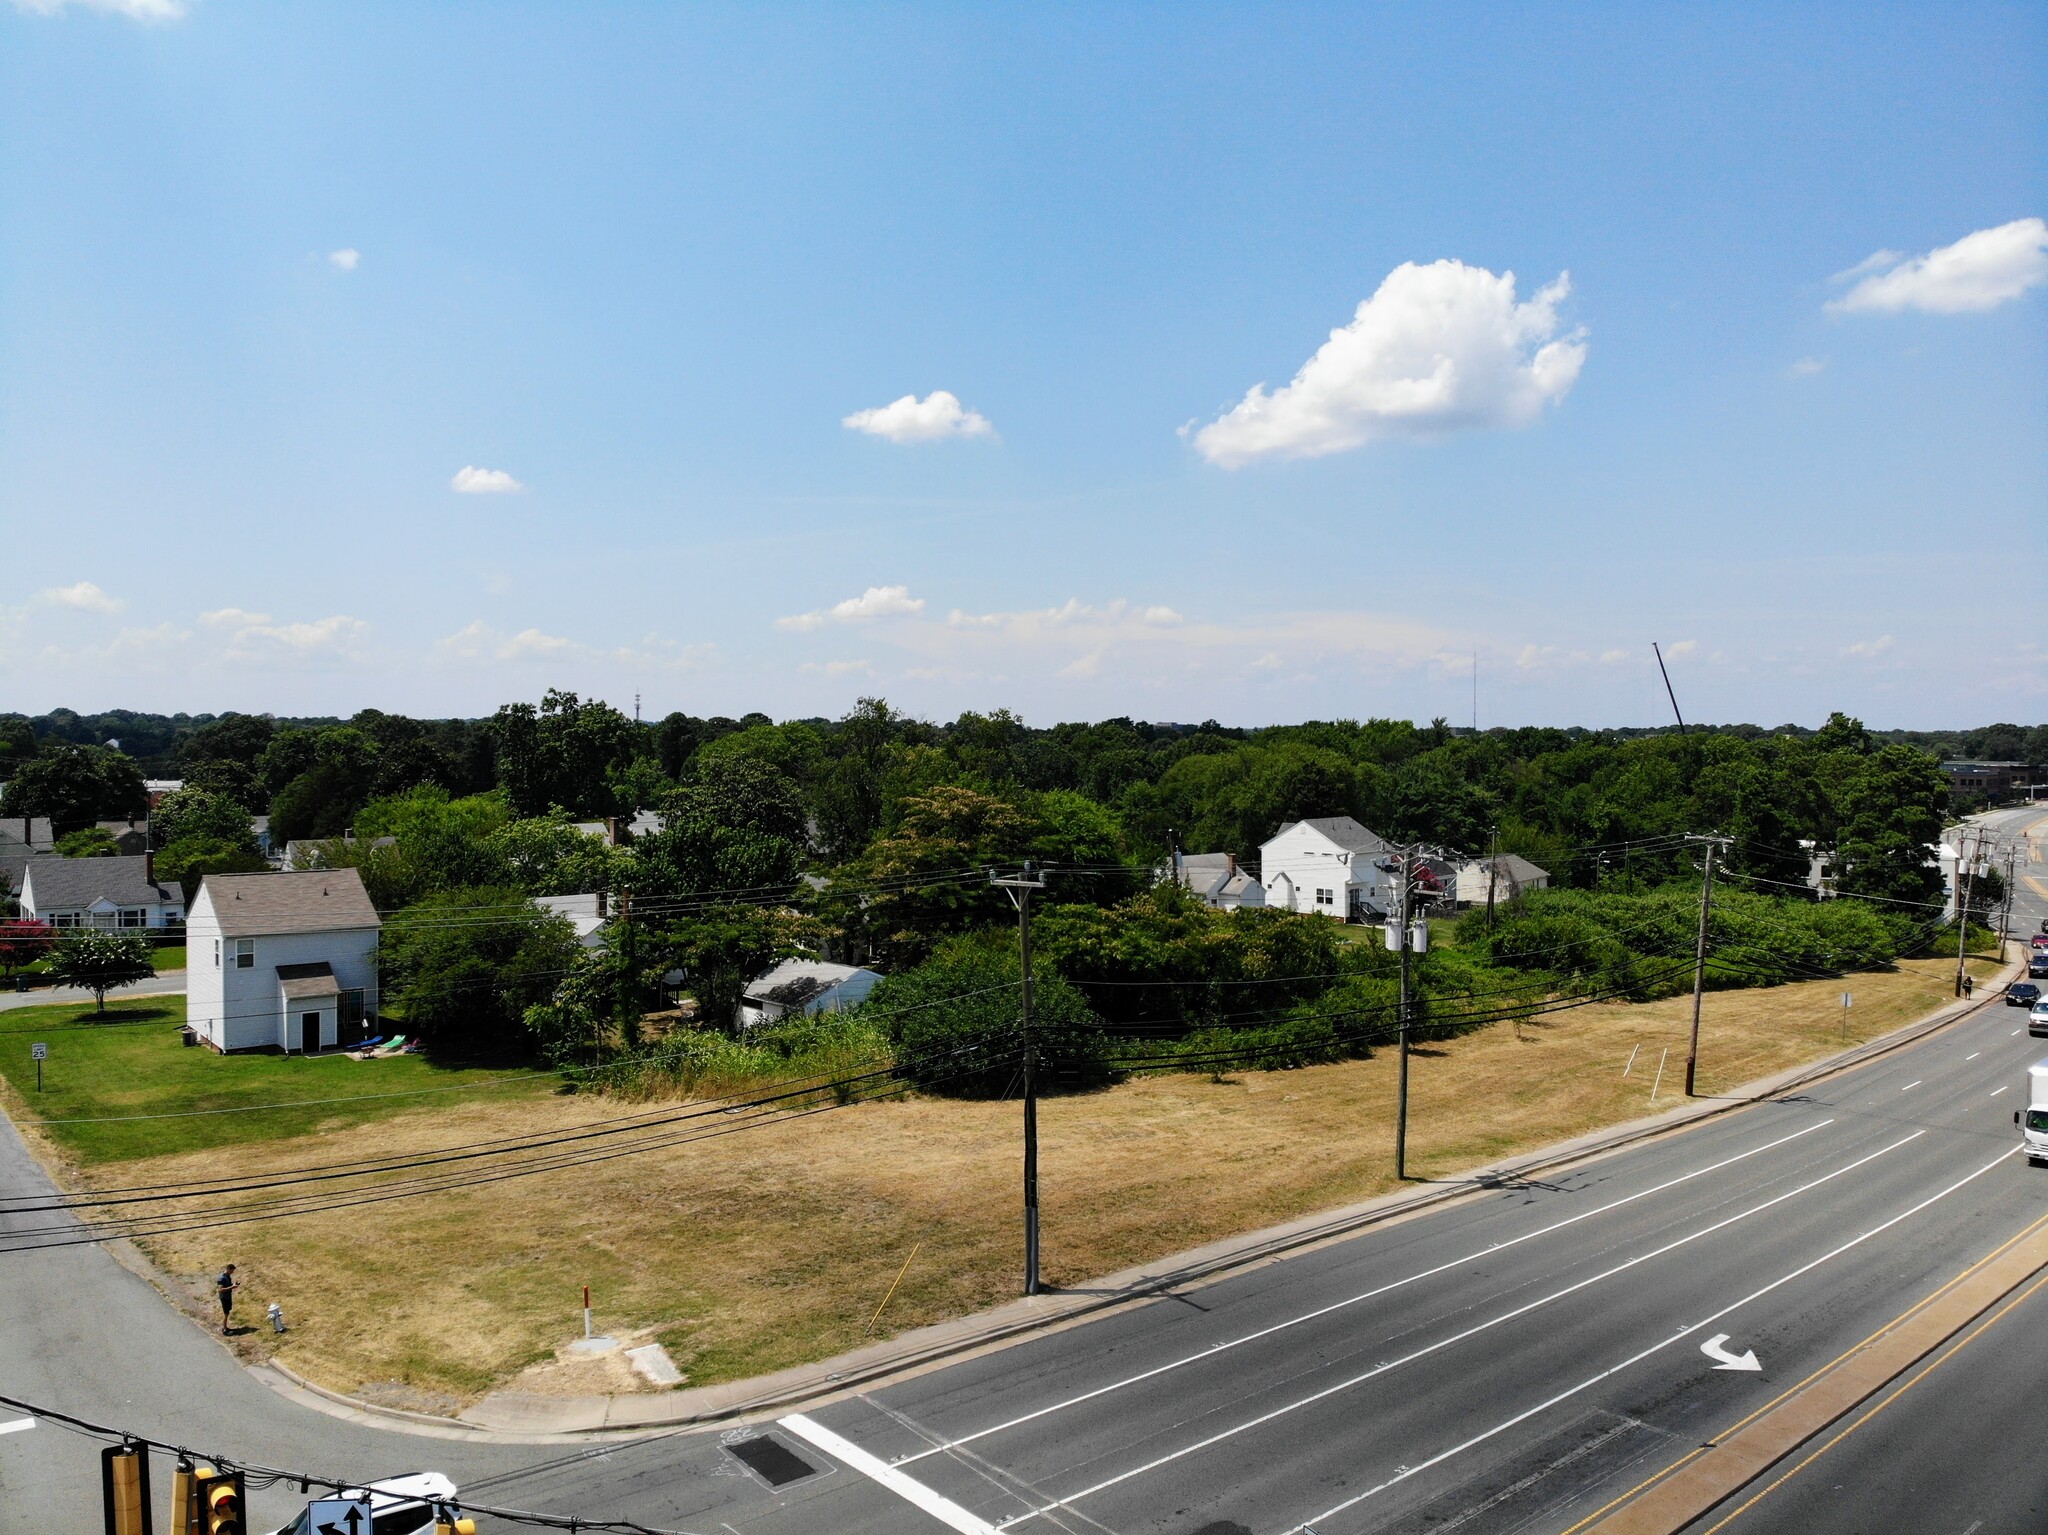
1911,1085
1973,1055
1684,1332
1997,1090
17,1425
1444,1343
943,1509
1322,1311
1746,1360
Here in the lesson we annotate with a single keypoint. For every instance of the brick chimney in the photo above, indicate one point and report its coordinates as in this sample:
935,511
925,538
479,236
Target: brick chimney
148,866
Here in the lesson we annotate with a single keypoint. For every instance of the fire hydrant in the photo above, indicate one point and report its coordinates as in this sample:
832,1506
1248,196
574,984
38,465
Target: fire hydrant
276,1317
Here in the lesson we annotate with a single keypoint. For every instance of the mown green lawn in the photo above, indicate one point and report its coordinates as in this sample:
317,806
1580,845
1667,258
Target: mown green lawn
131,1063
170,956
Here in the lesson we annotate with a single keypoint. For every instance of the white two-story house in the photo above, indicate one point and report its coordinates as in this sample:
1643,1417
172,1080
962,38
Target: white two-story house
1329,866
286,961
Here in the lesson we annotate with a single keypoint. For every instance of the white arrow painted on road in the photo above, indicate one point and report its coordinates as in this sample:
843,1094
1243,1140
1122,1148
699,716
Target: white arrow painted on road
1746,1360
17,1425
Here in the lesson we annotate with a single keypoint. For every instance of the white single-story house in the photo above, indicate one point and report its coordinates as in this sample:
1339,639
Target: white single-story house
586,913
1217,879
805,986
119,894
1329,865
283,961
1508,875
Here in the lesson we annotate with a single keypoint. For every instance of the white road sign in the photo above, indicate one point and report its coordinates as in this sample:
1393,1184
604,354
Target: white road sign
338,1516
39,1052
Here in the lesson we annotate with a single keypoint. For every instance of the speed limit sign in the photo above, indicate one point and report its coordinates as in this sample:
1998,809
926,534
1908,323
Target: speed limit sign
39,1051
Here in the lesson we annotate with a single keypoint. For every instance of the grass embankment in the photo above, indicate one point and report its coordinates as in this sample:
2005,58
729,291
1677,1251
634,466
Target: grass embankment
131,1063
773,1246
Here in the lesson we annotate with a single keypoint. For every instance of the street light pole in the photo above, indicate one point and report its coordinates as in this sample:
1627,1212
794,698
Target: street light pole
1019,889
1401,1096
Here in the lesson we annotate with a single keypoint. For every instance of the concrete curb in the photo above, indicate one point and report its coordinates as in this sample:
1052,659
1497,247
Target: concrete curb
521,1417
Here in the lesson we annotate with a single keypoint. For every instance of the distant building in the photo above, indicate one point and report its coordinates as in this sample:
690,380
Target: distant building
21,838
805,986
1506,876
1993,780
585,913
1329,866
115,894
1217,879
281,961
131,836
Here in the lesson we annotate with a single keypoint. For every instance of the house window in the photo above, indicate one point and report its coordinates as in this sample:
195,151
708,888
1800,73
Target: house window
216,953
63,919
245,954
1326,897
134,916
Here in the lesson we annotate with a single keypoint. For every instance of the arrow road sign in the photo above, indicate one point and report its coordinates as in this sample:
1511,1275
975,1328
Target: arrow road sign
1746,1360
338,1516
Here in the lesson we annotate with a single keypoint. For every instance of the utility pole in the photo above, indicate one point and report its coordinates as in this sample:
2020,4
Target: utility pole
2012,855
1492,875
1699,959
1963,872
1019,888
1401,1098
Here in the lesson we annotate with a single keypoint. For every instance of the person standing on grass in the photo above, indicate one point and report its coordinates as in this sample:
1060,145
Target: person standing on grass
226,1286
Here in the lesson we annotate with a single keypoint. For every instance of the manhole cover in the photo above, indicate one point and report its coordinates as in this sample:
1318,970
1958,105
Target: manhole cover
773,1461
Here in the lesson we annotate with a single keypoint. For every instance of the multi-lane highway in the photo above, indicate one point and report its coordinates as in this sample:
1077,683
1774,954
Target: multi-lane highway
1516,1360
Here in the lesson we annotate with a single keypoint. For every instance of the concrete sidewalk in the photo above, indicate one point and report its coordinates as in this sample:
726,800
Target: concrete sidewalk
512,1412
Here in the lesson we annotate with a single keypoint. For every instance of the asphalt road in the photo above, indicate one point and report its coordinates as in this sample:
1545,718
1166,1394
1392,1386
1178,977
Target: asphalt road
1507,1363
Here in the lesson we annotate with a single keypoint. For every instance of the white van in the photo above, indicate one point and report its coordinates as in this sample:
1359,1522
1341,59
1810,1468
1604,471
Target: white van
2033,1120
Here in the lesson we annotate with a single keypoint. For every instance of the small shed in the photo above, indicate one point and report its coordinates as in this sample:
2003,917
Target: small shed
806,986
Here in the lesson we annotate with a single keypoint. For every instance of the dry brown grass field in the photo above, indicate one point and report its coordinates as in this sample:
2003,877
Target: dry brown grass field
774,1246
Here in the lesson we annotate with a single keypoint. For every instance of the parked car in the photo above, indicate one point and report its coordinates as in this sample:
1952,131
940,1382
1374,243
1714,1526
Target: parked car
2037,1018
2022,994
399,1505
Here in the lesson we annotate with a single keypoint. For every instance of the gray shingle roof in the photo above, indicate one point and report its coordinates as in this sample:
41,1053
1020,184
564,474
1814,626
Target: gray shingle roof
315,901
314,979
72,884
1348,834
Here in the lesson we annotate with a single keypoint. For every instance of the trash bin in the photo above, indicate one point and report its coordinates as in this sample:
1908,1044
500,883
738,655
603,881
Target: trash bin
188,1035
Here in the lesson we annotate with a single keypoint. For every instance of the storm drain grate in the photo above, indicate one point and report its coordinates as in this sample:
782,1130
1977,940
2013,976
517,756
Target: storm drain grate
773,1461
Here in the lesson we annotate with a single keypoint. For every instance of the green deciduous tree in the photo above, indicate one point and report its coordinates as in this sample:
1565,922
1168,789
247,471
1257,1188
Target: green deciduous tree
99,962
562,754
75,786
461,967
87,842
956,1024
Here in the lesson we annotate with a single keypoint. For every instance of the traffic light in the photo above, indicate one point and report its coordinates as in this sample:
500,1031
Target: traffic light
449,1522
220,1502
184,1499
124,1489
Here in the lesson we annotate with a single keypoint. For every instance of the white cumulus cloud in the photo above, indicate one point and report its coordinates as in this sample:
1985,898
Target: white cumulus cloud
348,258
1806,367
232,618
875,602
1876,647
472,481
1980,271
84,596
1439,348
937,416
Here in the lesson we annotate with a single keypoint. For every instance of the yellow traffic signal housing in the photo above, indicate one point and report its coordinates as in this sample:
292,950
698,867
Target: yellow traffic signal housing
124,1489
184,1499
220,1502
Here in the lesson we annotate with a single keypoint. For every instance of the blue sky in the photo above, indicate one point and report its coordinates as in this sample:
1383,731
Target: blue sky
273,277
